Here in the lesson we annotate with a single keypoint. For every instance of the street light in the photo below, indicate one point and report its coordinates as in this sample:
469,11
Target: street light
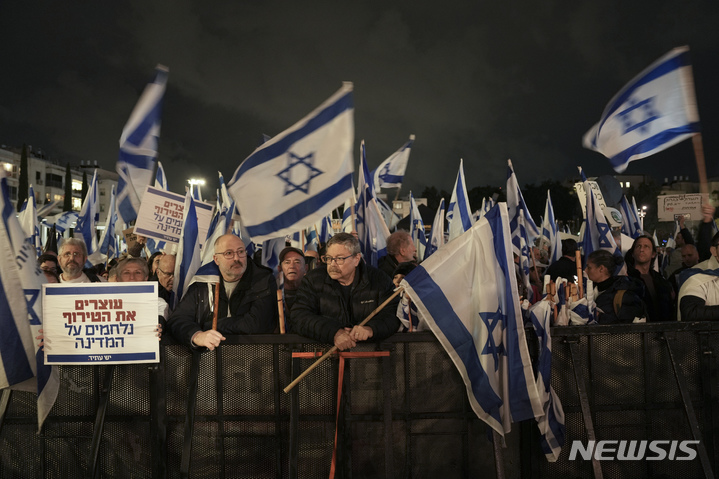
642,214
196,181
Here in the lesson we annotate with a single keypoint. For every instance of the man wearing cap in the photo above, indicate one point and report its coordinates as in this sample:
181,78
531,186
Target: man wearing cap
247,302
293,268
332,301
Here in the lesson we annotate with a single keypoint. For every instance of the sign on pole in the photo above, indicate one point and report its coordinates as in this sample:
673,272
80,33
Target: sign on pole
161,216
108,323
582,195
670,207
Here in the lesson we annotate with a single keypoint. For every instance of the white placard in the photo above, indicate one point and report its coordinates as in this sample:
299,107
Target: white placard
161,216
670,207
100,323
582,195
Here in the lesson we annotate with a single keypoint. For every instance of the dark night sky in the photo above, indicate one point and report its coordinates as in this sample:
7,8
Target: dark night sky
473,80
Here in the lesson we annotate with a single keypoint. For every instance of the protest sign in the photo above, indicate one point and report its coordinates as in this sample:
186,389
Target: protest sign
582,195
108,323
670,207
161,216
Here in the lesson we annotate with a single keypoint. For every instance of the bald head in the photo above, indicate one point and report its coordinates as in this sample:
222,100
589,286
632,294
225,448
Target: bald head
690,255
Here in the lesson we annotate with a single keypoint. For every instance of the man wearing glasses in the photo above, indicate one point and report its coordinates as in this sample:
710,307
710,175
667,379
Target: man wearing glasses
332,301
166,276
72,258
247,302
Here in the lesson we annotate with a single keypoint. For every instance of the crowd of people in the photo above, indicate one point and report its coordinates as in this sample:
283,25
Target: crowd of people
326,294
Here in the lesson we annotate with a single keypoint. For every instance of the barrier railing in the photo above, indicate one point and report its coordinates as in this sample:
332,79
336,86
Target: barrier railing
223,414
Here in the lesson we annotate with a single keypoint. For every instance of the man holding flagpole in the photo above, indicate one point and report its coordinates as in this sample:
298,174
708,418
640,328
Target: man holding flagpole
247,302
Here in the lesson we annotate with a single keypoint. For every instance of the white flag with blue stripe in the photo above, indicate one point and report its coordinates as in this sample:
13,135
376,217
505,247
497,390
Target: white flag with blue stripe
654,111
160,177
138,147
467,293
459,215
390,173
416,228
28,220
597,233
630,219
108,243
300,175
21,361
87,222
551,232
551,424
437,235
188,257
65,220
372,231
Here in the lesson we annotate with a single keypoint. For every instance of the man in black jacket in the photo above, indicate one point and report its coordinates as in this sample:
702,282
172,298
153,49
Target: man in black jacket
332,301
658,292
247,303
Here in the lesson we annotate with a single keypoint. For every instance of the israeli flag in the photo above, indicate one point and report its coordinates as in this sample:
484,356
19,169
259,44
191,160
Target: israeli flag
22,363
65,220
466,292
459,215
138,147
271,253
515,205
551,424
416,228
108,245
300,175
437,235
87,222
597,233
372,231
390,173
160,178
28,221
654,111
551,232
188,257
630,223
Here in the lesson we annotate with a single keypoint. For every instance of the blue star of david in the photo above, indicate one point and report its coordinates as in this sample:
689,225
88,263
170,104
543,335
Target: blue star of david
302,168
638,115
384,173
31,296
603,235
491,320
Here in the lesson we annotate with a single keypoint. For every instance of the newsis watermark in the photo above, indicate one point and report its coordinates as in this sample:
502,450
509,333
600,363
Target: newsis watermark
656,450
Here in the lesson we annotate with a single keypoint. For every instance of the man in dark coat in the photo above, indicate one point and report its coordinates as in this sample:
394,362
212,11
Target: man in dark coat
332,301
247,303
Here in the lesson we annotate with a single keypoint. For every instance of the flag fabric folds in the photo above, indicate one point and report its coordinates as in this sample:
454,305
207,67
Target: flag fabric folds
372,231
551,424
188,257
301,174
523,229
630,223
138,147
390,173
28,221
437,235
21,362
654,111
551,232
597,233
467,294
459,215
160,178
87,222
108,243
416,228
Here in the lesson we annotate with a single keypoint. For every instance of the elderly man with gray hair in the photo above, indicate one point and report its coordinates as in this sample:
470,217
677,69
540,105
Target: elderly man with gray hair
72,258
333,301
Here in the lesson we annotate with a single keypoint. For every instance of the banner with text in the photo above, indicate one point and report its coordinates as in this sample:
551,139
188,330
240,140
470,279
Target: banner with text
161,215
108,323
582,195
670,207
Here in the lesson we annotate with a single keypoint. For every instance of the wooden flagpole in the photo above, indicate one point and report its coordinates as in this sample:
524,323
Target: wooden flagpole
334,348
701,166
216,302
281,311
580,281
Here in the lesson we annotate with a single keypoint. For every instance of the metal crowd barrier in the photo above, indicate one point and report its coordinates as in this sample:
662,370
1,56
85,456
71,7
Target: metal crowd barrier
223,414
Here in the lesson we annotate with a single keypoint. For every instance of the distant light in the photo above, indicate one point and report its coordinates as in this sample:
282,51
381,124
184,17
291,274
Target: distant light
196,181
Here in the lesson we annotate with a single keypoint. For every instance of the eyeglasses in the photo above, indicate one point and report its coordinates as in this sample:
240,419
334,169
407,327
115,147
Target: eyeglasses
49,270
74,254
340,260
231,254
166,273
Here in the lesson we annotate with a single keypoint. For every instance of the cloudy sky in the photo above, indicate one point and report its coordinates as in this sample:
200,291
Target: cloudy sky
474,80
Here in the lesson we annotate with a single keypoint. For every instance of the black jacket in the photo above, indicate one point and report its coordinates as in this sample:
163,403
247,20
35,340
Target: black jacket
632,305
320,309
253,305
664,309
562,268
387,264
